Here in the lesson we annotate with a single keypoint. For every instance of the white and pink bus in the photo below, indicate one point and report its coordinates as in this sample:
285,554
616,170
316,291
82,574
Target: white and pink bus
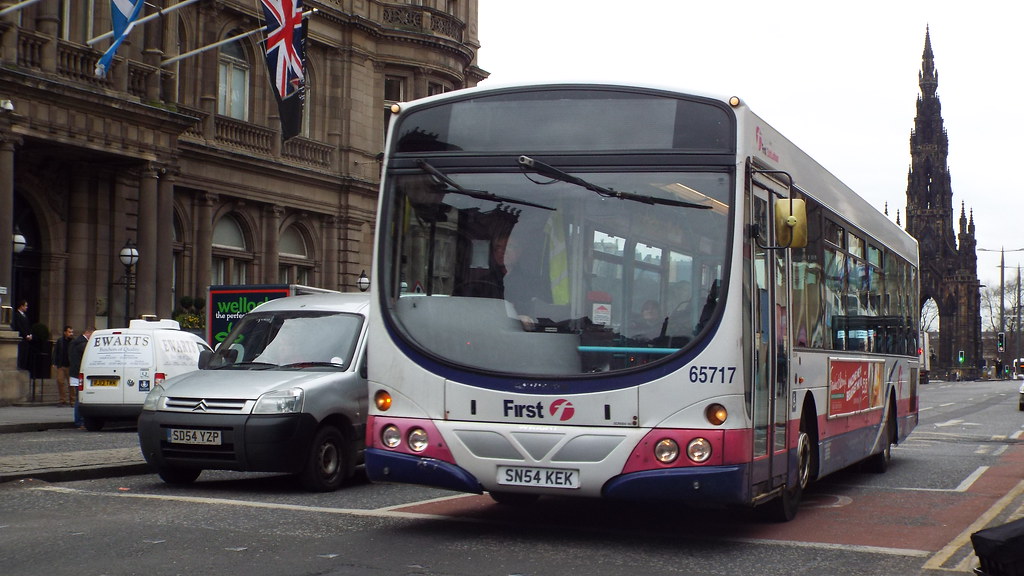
631,293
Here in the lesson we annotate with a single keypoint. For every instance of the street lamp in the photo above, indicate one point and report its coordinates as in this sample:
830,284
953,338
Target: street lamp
1002,283
363,282
19,241
129,257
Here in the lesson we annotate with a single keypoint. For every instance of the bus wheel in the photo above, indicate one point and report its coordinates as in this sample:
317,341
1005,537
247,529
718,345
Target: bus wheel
879,463
804,460
783,507
327,461
179,476
513,498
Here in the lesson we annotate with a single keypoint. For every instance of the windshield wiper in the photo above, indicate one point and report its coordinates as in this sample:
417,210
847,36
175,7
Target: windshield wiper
552,172
249,366
312,364
454,186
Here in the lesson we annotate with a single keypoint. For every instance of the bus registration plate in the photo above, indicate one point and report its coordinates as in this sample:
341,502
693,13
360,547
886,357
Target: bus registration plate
541,477
184,436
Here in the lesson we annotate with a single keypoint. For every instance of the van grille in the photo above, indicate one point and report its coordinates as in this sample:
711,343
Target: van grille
220,405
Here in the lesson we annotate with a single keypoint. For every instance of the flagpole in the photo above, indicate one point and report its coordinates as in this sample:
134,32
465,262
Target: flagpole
191,53
160,12
17,7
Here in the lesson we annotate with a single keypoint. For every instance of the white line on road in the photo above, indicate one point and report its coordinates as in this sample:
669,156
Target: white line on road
391,513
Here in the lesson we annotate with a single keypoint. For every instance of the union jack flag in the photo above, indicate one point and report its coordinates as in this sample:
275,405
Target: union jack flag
286,56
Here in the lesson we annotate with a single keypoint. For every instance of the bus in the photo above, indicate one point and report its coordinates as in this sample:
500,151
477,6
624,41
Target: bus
633,293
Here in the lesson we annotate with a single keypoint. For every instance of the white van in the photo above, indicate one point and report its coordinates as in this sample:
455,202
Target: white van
285,392
121,365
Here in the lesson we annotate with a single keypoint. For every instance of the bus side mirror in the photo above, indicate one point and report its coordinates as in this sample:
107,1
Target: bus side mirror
790,223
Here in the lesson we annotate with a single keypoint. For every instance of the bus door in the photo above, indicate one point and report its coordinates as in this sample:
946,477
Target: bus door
769,312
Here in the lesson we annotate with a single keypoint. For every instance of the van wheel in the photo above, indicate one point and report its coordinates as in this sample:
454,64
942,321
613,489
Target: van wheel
93,424
328,461
179,476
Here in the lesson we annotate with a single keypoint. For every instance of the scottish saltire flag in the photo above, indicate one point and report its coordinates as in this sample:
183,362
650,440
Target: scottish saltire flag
124,13
286,61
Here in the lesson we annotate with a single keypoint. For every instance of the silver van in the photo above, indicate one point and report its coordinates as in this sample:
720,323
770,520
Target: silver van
284,392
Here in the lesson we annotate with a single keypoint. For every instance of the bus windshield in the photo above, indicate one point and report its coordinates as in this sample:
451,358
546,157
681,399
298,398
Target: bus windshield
529,271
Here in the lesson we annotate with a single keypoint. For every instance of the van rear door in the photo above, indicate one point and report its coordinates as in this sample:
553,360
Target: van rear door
114,366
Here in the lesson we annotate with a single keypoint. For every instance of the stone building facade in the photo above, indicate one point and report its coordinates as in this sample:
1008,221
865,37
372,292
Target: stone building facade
184,157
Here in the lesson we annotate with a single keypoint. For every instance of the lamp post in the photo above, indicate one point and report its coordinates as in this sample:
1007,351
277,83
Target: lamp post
129,257
1002,292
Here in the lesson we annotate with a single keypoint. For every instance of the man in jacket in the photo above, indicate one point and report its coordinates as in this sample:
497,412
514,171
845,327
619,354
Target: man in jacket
75,352
62,362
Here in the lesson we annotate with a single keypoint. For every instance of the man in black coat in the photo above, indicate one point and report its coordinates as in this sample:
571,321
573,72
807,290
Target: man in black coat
23,326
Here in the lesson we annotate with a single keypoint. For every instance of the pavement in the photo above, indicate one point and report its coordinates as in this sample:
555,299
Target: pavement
65,459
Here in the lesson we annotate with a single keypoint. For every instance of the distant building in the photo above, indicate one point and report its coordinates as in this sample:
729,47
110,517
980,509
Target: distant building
186,160
949,262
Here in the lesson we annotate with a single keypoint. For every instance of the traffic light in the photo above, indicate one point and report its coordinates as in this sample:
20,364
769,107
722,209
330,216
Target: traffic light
961,357
1001,341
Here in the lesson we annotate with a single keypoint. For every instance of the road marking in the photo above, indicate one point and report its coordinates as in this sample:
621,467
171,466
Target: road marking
964,538
390,512
946,404
964,486
1016,435
953,422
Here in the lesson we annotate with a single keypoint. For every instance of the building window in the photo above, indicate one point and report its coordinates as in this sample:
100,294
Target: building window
394,89
231,257
295,265
435,88
233,82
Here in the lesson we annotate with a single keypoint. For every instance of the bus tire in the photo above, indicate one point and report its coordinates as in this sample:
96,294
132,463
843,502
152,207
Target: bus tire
513,498
784,507
327,463
879,463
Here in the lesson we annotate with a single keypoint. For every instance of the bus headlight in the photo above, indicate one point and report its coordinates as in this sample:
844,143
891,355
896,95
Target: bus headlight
418,440
666,451
716,414
382,400
391,436
699,450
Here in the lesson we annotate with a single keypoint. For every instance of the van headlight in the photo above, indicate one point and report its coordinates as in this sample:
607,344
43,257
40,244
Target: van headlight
152,401
279,402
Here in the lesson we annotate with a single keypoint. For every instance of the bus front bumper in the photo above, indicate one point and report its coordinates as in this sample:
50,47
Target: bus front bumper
704,486
701,486
385,466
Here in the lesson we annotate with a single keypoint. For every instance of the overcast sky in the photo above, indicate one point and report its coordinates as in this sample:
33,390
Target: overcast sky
839,79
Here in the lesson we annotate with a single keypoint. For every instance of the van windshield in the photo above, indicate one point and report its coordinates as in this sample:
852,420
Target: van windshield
290,339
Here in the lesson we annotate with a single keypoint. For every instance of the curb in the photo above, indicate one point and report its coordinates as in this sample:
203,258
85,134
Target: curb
34,427
83,473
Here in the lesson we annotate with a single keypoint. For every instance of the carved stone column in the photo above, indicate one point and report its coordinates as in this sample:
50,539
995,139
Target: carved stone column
204,241
145,275
271,245
165,244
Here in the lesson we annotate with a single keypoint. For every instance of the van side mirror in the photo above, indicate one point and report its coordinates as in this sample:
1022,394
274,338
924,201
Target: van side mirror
790,223
204,358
